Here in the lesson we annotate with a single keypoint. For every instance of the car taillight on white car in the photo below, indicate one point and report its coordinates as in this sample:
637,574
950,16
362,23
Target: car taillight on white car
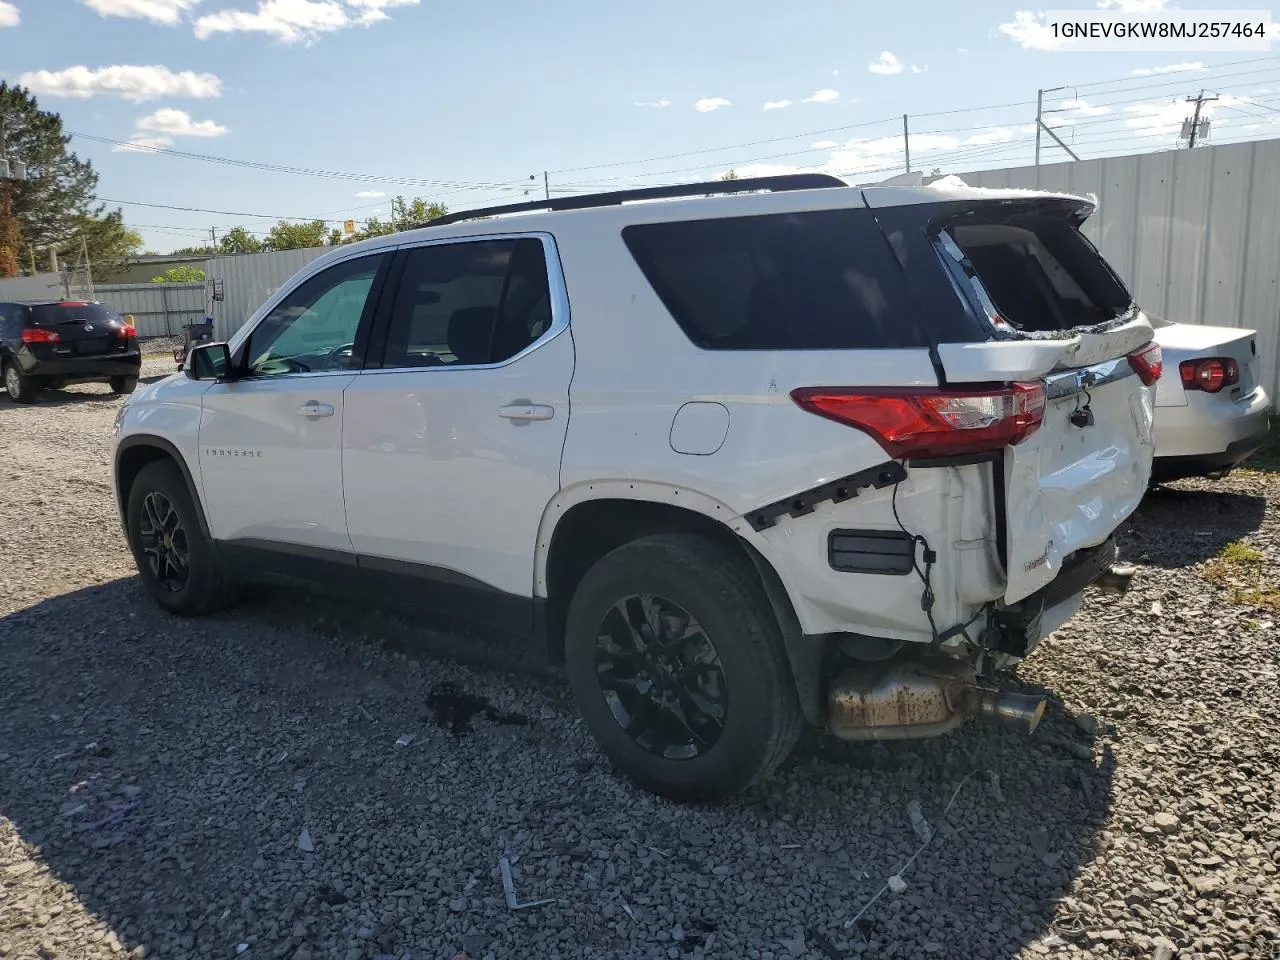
932,423
1209,374
1147,363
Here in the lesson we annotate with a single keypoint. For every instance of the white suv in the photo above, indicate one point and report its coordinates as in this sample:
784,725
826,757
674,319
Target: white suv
742,456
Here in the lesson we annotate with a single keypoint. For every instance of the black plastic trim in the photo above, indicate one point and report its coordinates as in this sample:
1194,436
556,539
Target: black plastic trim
837,491
164,446
959,460
887,552
1018,627
796,181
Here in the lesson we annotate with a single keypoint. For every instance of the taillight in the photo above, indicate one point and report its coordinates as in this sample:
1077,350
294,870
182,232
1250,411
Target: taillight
38,335
1147,363
932,423
126,330
1210,374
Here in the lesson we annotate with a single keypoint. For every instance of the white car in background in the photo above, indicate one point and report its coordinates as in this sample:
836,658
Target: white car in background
1212,411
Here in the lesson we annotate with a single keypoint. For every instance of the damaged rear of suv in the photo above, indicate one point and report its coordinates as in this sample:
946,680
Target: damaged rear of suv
923,411
744,455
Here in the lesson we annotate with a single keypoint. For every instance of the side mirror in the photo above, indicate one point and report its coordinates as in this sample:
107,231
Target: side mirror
209,361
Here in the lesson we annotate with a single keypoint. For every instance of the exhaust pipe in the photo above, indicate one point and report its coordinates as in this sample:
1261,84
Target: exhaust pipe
1116,579
1016,709
919,699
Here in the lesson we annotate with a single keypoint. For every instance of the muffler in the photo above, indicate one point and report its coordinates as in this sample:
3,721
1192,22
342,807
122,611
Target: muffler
920,698
1116,579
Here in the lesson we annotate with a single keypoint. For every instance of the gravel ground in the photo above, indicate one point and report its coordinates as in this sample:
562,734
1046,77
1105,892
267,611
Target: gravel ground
233,786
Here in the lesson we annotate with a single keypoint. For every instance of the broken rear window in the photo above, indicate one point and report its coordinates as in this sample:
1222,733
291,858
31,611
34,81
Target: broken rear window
1036,274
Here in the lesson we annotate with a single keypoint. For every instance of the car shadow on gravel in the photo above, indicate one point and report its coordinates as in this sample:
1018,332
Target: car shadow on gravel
1180,526
162,770
61,398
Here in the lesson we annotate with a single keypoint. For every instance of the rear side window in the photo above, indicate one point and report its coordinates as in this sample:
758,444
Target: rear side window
1036,273
469,303
53,314
822,280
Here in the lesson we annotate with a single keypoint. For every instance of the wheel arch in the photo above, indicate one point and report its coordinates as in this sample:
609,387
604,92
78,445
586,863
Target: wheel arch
137,451
585,522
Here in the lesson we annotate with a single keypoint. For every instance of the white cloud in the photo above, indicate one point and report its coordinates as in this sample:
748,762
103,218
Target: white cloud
777,104
986,138
826,95
165,12
8,14
140,143
287,20
1082,108
1132,6
708,104
915,69
130,82
962,49
1163,118
886,64
882,154
1196,67
374,10
370,194
1029,31
657,104
171,122
824,145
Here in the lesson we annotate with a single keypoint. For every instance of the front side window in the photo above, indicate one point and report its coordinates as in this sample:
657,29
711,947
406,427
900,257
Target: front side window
469,303
313,329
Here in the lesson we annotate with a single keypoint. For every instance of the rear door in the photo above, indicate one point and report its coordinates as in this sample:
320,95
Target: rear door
1053,311
78,329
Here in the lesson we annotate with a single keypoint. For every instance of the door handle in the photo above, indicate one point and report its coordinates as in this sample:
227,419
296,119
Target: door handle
527,411
315,409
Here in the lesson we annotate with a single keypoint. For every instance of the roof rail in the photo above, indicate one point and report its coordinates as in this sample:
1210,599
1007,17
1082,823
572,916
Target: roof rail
793,181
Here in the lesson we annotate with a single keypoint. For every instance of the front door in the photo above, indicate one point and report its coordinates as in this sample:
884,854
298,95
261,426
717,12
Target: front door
270,440
451,452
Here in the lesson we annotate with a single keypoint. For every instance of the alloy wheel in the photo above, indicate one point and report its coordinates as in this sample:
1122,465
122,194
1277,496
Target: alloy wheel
11,383
661,677
164,542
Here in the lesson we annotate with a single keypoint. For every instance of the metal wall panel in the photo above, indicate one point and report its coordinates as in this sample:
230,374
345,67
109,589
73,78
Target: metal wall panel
1194,233
35,287
158,309
248,280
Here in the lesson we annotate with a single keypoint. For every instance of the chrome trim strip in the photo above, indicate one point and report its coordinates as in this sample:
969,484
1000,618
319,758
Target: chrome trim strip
1069,383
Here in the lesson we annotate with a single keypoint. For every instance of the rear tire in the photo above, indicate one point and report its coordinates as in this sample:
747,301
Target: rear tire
124,384
21,388
709,707
176,561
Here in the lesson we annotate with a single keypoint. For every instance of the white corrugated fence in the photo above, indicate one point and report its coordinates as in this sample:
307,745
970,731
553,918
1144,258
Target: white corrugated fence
1194,233
158,309
248,280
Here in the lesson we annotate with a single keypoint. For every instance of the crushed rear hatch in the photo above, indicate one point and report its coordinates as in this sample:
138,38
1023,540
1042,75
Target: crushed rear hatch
1052,312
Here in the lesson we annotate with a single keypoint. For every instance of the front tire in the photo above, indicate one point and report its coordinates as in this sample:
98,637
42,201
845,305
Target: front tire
124,384
676,661
19,387
176,560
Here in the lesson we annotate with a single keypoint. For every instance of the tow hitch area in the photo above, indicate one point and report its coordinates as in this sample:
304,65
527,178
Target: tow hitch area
1116,579
922,697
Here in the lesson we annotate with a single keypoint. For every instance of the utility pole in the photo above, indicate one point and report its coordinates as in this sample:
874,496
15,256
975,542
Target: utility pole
546,184
906,142
1192,129
1041,125
213,235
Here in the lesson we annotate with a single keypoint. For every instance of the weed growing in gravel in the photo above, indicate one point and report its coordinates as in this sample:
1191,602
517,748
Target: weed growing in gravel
1243,571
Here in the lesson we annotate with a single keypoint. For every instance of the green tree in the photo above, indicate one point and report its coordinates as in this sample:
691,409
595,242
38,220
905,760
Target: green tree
731,175
182,273
240,240
296,236
51,205
405,215
106,238
935,172
205,251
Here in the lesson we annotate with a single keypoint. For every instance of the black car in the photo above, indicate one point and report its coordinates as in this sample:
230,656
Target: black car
50,343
